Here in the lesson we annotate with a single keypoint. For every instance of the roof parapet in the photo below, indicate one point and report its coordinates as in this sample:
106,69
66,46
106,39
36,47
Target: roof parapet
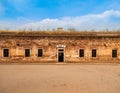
60,29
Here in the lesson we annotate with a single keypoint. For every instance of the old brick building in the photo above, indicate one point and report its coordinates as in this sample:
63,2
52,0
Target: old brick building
57,46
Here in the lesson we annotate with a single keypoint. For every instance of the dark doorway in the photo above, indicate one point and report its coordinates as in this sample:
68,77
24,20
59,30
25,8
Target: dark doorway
60,55
6,52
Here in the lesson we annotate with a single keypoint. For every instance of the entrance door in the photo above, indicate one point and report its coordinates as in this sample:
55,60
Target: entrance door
60,55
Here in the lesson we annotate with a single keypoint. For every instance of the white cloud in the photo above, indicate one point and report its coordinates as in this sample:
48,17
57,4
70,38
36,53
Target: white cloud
109,19
87,22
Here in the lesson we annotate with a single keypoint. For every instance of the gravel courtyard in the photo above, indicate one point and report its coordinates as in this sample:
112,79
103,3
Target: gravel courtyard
57,78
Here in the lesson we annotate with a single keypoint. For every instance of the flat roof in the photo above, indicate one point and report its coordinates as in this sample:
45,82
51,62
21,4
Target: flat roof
63,33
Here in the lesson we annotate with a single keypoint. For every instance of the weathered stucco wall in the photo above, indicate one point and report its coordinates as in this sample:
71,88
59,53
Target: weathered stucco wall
70,45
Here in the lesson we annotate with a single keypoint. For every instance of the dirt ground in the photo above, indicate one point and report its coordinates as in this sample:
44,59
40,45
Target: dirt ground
65,78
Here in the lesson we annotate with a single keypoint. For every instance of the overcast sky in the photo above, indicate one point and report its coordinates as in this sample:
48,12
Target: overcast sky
51,14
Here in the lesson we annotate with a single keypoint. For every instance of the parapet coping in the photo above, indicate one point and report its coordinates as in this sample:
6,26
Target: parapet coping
58,34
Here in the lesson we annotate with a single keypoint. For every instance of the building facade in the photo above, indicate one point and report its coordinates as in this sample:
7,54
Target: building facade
60,47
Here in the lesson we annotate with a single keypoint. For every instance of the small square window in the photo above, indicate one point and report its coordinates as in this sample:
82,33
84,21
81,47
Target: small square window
40,52
27,52
114,53
94,53
5,52
81,53
60,50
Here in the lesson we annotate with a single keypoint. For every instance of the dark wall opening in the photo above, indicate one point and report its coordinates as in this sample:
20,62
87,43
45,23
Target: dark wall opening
60,55
40,52
81,53
6,53
94,53
27,52
114,53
